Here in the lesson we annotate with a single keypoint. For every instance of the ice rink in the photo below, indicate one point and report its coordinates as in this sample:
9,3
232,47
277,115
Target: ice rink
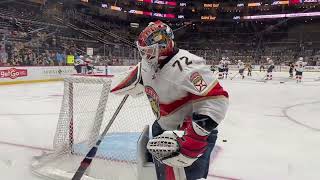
271,132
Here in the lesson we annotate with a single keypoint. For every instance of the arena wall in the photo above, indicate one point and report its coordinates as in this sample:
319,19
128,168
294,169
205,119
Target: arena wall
21,74
16,75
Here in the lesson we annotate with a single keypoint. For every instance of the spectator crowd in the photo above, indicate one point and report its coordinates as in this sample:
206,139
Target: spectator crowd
29,38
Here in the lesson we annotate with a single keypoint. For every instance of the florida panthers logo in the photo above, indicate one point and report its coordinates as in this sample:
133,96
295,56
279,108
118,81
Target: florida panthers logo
154,100
198,82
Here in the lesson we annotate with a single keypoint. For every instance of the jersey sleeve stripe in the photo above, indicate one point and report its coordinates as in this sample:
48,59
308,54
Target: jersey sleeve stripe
214,90
217,92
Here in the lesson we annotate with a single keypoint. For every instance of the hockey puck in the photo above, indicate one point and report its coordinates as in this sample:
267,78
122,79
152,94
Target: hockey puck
224,140
281,82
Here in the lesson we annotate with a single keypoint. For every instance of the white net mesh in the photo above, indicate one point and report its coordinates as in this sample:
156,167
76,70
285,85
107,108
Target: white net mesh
87,107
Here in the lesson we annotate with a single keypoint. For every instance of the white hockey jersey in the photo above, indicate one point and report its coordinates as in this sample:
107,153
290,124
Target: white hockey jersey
221,64
226,64
88,62
299,66
183,86
78,61
270,63
240,65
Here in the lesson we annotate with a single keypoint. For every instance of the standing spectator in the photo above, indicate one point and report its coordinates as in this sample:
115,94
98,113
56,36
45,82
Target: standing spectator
60,59
3,54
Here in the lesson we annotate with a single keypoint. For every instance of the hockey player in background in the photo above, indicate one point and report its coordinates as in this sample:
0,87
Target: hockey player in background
249,67
270,66
78,63
291,69
262,67
241,68
89,64
187,100
213,68
226,67
299,66
221,68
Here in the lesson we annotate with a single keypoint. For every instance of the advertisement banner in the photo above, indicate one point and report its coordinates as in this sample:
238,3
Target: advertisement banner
13,73
90,51
100,70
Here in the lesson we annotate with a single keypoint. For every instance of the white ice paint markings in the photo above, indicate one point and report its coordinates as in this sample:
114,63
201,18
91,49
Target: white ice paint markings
261,145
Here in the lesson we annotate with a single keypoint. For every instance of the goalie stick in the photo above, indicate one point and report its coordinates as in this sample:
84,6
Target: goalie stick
85,163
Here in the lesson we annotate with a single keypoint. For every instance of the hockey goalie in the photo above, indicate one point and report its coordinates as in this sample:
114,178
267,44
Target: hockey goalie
187,99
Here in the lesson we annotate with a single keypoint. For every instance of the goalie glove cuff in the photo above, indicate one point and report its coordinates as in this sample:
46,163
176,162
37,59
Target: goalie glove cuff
180,148
191,143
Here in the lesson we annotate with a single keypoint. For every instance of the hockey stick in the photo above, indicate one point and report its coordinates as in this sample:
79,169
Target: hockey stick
286,80
85,163
234,76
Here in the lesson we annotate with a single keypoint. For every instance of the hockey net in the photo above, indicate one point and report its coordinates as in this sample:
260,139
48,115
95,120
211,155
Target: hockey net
87,106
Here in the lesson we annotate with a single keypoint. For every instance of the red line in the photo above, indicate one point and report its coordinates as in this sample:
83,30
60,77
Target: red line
25,146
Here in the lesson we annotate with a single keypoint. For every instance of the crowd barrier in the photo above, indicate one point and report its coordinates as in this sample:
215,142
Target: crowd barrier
15,75
25,74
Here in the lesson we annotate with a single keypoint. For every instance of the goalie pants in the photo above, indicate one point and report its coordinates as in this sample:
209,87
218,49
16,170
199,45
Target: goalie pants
199,169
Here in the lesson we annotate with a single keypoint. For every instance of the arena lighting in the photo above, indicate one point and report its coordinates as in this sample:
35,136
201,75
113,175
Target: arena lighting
280,2
211,18
162,2
254,4
272,16
136,12
183,4
104,5
116,8
211,5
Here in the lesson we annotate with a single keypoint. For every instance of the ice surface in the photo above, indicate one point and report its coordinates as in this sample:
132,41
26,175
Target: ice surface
272,129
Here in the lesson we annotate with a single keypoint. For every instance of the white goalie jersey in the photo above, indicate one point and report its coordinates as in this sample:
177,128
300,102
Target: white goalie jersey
183,86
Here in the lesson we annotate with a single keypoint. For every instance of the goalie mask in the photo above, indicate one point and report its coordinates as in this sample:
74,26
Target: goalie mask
155,43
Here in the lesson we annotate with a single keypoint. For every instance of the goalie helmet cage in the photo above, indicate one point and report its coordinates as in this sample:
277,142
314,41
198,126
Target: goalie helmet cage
86,108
